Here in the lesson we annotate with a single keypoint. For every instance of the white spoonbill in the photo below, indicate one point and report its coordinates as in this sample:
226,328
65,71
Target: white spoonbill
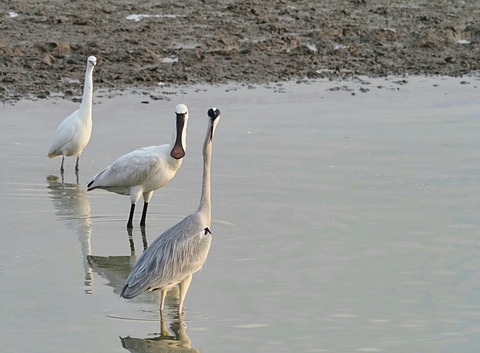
74,132
180,251
146,169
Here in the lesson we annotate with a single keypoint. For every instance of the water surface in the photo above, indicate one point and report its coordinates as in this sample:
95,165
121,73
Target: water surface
345,219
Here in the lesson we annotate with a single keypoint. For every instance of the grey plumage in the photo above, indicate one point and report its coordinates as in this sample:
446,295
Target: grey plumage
180,251
177,253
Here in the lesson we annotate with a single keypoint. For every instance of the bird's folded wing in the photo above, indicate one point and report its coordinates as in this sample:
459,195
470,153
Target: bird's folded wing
65,133
134,168
173,256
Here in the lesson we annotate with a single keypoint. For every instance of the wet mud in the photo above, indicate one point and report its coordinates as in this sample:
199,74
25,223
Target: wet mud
44,44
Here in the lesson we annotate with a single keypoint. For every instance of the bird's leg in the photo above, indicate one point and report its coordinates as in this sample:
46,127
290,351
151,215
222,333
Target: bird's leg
183,292
162,300
144,214
130,219
76,165
61,166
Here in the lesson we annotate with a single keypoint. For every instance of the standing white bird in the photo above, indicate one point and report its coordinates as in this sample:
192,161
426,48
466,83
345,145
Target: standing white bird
180,251
146,169
73,134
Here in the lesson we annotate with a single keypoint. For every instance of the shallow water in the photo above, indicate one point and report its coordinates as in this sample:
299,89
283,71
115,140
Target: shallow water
343,221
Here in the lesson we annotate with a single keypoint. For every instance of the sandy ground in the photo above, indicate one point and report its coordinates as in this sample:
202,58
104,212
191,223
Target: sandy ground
44,44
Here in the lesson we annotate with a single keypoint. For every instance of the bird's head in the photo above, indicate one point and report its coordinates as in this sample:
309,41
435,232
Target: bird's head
92,61
181,109
214,115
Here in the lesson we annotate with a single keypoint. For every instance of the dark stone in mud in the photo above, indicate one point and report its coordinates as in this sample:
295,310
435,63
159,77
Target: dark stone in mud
250,41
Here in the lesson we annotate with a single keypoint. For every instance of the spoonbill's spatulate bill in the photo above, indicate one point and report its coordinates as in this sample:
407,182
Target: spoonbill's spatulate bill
146,169
74,132
180,251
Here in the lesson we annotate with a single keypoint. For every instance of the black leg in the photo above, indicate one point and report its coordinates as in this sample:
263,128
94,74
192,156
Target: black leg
130,219
144,214
61,167
76,165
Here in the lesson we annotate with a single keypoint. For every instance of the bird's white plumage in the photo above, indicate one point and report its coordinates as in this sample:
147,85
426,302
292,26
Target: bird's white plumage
146,169
143,170
71,136
73,133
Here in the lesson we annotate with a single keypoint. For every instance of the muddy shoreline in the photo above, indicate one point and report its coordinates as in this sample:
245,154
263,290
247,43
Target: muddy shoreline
44,45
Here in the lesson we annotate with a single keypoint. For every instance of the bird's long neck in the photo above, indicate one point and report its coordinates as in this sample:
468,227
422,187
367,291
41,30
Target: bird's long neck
205,207
86,105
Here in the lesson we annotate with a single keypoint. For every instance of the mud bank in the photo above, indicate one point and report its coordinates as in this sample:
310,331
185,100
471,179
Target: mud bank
44,45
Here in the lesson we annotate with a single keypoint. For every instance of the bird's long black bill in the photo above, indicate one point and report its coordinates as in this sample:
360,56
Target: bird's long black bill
178,151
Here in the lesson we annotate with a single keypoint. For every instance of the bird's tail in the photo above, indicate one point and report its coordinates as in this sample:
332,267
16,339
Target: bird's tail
130,292
89,185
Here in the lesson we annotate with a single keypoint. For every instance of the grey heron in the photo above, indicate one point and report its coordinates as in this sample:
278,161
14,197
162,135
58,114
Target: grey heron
180,251
73,133
146,169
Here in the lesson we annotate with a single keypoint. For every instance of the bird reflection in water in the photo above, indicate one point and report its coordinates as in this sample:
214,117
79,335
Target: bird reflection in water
175,340
115,269
73,207
144,239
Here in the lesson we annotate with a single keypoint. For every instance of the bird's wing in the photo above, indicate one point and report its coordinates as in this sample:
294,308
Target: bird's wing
133,168
64,133
177,253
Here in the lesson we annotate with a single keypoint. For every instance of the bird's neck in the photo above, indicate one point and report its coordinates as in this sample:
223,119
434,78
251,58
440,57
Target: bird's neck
205,200
86,105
